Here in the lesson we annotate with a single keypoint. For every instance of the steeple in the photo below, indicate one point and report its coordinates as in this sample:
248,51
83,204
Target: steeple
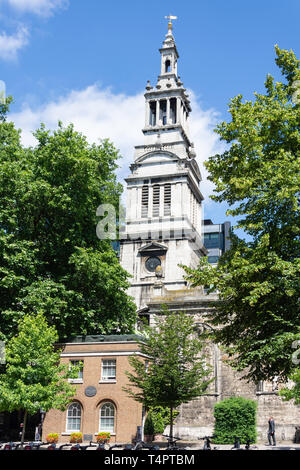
169,54
164,204
167,104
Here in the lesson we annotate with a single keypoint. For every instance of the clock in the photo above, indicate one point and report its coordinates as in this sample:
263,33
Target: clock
152,263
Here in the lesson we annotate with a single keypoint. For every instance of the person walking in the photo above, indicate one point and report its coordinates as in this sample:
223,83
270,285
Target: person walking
271,431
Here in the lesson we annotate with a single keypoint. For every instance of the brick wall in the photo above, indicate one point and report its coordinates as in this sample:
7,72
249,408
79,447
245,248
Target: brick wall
128,412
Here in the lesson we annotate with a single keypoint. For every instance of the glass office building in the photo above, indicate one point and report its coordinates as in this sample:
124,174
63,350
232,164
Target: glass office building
216,239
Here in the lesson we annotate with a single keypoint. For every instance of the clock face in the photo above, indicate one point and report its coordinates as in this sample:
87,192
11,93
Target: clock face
152,263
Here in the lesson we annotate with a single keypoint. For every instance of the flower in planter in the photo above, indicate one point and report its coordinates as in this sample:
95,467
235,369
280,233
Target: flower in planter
76,437
52,437
103,436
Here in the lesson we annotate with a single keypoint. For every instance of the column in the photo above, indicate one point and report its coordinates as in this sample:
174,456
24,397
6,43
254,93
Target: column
168,110
158,123
178,110
147,113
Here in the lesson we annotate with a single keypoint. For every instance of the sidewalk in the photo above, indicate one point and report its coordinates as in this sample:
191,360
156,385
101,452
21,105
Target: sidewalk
283,445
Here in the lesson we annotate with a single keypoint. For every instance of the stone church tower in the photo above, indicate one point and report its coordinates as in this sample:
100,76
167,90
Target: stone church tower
163,228
163,212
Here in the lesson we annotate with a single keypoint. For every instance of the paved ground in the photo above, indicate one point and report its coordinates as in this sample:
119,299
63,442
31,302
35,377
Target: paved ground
194,445
280,446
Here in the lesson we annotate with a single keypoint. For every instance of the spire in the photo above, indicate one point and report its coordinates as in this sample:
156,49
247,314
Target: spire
169,53
167,103
169,41
170,18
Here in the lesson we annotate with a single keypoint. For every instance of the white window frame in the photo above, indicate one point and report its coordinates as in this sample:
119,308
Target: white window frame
75,417
111,430
79,379
108,378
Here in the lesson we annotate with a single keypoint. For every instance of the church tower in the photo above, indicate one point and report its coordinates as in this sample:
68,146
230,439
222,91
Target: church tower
163,225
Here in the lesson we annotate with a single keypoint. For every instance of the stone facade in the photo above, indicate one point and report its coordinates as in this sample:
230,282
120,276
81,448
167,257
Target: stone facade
196,418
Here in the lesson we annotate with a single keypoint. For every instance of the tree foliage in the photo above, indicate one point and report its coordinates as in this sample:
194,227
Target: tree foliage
235,417
176,370
157,419
258,176
51,260
33,378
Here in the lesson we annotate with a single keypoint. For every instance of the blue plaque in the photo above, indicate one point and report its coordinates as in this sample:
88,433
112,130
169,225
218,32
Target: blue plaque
90,391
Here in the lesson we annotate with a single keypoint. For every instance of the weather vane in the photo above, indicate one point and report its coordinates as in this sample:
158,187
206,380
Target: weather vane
170,18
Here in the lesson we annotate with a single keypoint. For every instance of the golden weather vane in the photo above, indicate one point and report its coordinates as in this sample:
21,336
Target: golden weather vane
170,18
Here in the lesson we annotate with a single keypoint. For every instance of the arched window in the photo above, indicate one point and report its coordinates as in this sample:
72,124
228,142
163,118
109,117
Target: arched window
74,417
167,66
107,417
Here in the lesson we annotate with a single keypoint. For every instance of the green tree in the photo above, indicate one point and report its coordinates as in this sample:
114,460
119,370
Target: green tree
293,392
51,260
33,378
157,419
258,176
175,371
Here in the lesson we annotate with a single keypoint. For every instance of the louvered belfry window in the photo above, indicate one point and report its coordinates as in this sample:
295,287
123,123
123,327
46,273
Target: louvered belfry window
156,193
145,201
167,199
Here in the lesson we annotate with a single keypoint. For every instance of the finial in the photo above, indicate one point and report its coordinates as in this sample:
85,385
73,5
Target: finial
170,18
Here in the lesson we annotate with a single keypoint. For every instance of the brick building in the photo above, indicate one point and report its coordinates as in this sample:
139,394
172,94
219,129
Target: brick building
99,404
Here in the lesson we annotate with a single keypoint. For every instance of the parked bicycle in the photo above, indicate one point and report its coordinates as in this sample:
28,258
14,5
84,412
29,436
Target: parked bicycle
11,446
172,443
77,446
104,446
140,445
32,446
248,445
236,445
208,443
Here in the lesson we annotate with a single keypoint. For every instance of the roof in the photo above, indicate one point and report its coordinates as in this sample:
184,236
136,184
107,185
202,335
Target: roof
104,338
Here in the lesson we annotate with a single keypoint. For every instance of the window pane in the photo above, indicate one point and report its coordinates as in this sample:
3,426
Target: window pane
74,417
80,372
107,417
211,240
108,369
212,259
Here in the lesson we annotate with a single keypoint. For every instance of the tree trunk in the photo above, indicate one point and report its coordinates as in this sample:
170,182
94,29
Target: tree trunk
24,426
171,422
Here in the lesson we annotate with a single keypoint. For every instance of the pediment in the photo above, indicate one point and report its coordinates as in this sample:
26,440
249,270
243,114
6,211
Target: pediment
157,156
152,247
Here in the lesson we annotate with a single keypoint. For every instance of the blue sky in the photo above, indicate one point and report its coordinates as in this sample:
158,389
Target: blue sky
88,62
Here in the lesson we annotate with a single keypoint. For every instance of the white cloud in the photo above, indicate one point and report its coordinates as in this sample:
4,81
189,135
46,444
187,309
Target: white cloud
100,113
38,7
11,44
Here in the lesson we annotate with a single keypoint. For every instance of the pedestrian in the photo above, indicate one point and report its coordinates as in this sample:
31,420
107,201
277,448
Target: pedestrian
271,431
